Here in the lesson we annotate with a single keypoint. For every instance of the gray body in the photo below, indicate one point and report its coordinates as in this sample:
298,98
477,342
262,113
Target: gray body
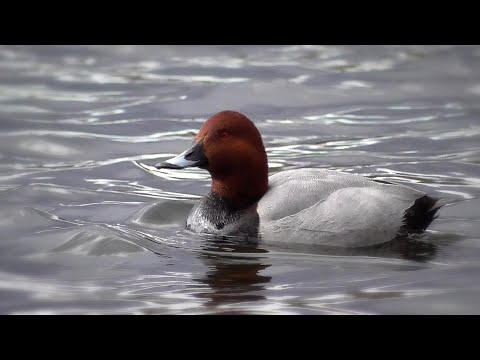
314,207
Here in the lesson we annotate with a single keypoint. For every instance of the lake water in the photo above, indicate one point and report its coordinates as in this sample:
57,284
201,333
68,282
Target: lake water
87,227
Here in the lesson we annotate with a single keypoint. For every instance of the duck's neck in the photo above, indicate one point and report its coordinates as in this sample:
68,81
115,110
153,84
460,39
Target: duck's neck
241,189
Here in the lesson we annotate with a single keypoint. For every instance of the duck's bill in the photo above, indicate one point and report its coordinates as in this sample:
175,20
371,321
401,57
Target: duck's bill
189,158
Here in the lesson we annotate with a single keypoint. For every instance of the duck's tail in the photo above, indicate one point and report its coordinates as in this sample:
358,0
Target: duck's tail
420,215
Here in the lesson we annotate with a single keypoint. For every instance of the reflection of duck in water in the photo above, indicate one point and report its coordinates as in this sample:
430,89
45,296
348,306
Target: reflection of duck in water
235,272
303,206
233,279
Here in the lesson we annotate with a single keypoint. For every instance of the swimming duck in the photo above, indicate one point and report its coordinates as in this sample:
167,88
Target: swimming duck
308,206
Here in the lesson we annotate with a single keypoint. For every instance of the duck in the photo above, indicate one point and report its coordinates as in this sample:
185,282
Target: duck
310,206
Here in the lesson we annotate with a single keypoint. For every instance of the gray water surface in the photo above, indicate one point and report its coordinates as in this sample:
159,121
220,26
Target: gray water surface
88,227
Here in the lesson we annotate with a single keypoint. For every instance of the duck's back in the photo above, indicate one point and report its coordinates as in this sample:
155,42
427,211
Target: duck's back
316,206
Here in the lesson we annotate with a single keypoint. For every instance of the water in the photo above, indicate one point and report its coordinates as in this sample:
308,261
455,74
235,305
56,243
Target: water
87,227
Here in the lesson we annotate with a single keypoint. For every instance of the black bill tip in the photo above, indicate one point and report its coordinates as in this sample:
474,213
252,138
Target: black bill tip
167,165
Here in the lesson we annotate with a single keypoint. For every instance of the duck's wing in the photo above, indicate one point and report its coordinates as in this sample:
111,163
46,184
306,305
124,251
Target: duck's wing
338,209
292,191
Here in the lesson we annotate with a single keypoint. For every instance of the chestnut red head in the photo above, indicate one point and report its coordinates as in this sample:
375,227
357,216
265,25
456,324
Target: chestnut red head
230,147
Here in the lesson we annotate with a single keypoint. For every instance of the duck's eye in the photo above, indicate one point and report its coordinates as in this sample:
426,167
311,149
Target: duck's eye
224,134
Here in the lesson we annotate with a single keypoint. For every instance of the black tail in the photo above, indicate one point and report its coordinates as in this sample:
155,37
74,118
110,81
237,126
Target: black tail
420,215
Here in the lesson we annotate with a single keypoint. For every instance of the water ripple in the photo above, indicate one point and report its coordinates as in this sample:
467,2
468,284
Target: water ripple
90,226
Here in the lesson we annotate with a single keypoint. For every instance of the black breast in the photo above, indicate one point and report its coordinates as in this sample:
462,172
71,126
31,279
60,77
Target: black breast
218,216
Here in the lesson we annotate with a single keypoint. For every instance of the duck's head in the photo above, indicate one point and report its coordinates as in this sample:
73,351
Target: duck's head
230,148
